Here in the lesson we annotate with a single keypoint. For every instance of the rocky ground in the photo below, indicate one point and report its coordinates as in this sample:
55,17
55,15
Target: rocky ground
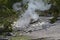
51,32
37,32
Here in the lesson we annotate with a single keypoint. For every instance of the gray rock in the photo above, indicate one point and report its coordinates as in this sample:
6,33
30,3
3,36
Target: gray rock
4,39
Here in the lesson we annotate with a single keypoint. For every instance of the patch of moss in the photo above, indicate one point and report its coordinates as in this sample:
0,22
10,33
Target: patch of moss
20,38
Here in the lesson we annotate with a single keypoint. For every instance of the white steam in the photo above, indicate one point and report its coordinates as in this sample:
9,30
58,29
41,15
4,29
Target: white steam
30,13
17,7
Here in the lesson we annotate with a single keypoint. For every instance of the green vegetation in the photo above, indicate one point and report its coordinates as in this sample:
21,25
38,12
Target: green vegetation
20,38
55,10
7,14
